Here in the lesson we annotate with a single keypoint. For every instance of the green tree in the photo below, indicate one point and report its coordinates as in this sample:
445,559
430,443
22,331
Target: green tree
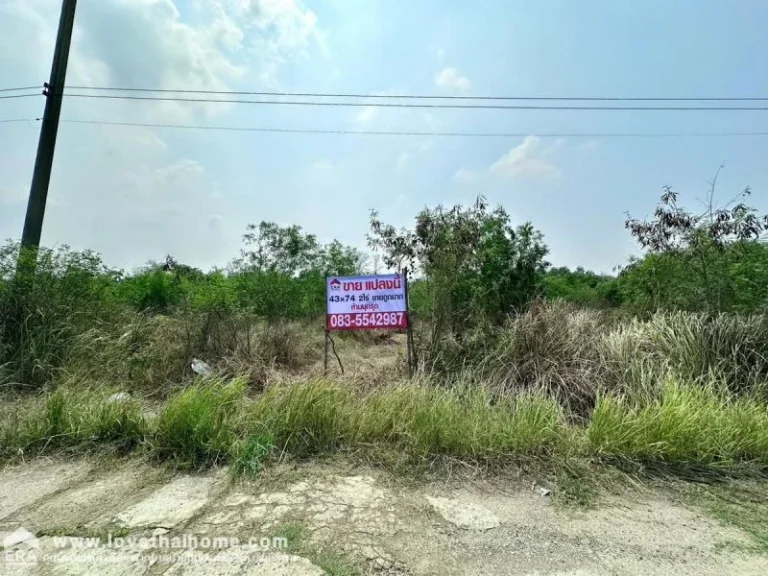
582,287
477,266
281,271
272,248
714,261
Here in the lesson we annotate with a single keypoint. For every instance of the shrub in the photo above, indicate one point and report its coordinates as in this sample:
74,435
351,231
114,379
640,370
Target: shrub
42,308
552,347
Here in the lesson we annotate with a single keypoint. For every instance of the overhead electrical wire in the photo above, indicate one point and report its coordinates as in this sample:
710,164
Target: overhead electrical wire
7,97
321,131
390,104
418,133
23,88
432,96
409,105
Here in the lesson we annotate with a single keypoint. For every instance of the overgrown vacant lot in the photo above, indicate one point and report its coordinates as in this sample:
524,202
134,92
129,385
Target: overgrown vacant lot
566,442
556,384
582,386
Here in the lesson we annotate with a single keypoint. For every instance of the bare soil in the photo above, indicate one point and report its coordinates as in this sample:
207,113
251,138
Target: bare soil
341,522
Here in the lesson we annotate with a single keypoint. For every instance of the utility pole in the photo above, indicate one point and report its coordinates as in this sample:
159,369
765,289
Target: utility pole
54,93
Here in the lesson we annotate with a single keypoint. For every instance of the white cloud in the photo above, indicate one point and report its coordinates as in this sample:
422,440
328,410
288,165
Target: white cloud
366,114
122,182
278,31
450,78
152,44
179,171
526,161
323,166
465,175
590,145
402,161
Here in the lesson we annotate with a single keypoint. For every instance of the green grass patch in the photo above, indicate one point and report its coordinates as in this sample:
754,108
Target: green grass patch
199,426
689,424
74,418
576,485
461,422
328,560
215,421
248,455
305,418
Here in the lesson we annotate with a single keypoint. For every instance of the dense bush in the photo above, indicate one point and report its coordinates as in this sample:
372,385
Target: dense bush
477,287
43,309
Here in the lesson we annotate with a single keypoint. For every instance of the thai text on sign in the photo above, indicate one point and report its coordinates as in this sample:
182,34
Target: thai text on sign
366,302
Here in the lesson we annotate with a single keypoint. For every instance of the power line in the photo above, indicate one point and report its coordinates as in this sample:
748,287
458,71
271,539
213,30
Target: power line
9,120
432,96
20,89
414,133
409,105
18,96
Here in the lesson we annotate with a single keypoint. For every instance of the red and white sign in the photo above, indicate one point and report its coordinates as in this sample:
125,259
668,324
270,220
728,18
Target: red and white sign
366,303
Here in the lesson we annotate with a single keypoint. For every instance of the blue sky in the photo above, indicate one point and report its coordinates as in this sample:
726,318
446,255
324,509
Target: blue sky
140,193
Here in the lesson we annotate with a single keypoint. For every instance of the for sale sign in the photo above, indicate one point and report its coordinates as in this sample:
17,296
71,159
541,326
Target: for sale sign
366,302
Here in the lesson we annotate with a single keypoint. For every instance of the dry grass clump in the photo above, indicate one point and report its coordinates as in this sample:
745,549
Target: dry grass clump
152,354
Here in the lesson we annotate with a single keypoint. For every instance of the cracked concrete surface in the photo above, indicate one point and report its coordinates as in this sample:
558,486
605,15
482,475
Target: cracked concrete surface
378,526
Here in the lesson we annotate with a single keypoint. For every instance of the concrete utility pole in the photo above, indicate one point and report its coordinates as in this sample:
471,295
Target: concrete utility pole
54,92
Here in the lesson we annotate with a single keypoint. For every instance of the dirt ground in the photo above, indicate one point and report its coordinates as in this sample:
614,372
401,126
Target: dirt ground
72,518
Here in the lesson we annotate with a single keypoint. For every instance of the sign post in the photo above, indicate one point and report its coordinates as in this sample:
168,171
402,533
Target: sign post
377,302
409,330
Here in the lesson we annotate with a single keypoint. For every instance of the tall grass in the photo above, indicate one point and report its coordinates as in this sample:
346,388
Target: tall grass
687,424
74,418
199,425
696,347
675,387
575,355
463,422
216,422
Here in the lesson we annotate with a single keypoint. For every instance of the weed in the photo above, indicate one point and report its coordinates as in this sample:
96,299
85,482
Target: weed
75,418
199,425
576,485
84,532
248,455
740,504
305,418
331,562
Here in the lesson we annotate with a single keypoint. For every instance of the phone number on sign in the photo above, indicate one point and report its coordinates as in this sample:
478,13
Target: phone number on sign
368,320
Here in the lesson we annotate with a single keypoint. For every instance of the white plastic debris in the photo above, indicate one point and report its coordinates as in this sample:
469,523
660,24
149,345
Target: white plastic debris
541,490
119,397
201,368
